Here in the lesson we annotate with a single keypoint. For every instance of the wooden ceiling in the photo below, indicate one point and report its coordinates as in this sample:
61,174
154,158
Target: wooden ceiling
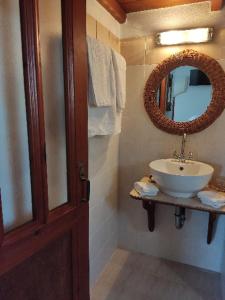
120,8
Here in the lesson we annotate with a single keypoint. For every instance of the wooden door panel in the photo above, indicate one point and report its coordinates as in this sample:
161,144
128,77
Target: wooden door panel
47,275
55,240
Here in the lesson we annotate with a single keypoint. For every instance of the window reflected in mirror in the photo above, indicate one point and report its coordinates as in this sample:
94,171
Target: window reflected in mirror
184,94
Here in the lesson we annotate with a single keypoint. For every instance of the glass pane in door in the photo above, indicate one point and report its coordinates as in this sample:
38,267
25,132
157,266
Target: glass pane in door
53,89
15,180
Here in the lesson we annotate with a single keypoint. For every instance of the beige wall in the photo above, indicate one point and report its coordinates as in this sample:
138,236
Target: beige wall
103,174
141,142
97,11
143,50
97,30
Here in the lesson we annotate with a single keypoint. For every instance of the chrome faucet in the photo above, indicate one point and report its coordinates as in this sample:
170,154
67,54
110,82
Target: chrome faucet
182,151
181,157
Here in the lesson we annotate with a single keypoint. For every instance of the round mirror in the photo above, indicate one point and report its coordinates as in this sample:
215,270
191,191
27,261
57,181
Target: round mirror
184,94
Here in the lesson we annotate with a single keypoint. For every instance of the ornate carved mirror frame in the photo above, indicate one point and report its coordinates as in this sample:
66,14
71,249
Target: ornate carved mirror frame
216,76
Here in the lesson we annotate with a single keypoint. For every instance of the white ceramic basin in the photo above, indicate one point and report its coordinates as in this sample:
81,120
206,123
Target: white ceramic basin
181,179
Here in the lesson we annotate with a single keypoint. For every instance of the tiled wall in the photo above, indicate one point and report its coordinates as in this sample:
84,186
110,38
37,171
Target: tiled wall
103,173
100,32
143,50
189,244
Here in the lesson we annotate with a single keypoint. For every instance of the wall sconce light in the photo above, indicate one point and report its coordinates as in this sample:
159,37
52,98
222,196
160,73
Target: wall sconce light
189,36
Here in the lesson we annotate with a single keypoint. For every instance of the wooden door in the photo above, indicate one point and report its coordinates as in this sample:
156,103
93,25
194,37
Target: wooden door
47,258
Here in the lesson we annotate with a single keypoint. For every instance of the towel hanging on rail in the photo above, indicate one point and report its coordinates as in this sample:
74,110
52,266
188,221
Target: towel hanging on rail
107,86
119,66
102,86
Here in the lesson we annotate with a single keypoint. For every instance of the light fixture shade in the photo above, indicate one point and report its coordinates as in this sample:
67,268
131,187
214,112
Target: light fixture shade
189,36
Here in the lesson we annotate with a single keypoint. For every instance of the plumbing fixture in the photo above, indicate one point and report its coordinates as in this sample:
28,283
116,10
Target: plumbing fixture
181,157
179,217
182,150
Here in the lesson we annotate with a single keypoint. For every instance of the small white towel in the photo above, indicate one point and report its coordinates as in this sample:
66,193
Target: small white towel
146,189
101,84
212,198
120,66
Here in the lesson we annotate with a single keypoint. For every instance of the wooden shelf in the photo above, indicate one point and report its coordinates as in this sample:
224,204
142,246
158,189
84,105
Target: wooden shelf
149,204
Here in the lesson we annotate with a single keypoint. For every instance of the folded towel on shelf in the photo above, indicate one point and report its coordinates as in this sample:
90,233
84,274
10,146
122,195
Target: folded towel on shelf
146,188
101,83
119,65
212,198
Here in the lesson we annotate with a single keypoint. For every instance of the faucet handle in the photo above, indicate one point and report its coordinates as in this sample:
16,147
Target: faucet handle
190,155
175,154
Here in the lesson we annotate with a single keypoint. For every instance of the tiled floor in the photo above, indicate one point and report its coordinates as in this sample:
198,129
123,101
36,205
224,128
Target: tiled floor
133,276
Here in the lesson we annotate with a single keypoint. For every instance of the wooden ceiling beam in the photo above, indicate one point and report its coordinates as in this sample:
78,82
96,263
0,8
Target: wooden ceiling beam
140,5
119,8
115,9
216,4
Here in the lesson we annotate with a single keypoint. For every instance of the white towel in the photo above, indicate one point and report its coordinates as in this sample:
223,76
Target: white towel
120,66
146,189
103,121
212,198
101,86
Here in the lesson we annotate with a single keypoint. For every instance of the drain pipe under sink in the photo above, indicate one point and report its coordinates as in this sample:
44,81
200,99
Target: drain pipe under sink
179,217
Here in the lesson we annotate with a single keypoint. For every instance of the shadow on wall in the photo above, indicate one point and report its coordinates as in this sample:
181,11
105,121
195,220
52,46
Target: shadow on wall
98,152
103,169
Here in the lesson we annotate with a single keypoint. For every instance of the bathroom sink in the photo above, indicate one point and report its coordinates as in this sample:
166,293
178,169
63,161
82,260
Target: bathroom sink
181,179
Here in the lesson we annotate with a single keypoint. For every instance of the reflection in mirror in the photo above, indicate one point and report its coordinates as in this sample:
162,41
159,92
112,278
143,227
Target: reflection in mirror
184,94
53,90
15,181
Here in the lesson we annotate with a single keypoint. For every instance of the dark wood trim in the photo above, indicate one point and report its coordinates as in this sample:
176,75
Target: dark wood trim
115,9
21,233
75,77
81,125
81,112
69,92
59,211
34,107
216,4
163,95
1,221
83,253
119,8
140,5
212,219
14,254
149,206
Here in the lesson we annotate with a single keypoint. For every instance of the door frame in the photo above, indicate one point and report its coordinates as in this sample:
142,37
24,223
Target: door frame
26,240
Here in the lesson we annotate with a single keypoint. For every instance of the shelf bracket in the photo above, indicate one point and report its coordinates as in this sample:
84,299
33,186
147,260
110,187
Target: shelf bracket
149,206
212,219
